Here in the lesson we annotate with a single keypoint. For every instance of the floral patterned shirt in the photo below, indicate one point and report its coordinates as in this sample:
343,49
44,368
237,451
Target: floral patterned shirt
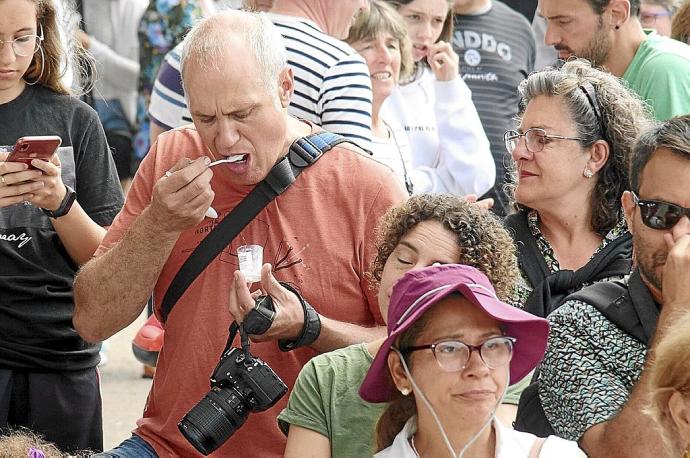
523,287
163,25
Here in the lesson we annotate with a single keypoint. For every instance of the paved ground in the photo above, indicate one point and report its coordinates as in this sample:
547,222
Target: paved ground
123,389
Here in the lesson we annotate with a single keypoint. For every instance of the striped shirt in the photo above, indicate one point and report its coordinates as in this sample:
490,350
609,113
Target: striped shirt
332,85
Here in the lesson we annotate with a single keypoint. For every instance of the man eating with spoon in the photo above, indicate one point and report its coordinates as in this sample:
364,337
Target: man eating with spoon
317,235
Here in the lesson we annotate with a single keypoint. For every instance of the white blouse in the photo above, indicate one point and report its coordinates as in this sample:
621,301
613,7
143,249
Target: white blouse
509,444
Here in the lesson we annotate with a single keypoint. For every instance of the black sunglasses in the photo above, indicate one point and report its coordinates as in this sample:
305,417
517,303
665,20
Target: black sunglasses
658,214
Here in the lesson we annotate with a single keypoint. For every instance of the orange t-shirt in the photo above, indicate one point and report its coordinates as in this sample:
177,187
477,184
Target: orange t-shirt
321,229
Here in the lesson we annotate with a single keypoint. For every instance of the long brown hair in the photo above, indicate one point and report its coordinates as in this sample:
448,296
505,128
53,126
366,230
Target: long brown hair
51,62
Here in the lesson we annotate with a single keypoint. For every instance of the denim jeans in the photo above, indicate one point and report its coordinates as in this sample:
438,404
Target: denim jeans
134,447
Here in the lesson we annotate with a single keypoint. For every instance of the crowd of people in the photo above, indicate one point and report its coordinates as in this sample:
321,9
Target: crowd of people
464,252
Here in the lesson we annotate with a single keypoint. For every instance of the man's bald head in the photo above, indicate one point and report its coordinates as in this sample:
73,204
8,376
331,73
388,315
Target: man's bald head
231,35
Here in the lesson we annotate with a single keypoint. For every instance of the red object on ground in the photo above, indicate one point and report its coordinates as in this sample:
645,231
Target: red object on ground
148,342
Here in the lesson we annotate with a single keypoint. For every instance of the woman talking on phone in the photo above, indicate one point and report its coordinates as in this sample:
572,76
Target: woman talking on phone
52,214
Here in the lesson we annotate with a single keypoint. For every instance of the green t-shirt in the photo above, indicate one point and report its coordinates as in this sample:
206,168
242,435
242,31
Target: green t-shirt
660,74
325,399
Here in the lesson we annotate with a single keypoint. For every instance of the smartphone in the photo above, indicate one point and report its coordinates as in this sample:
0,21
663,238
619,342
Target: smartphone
36,147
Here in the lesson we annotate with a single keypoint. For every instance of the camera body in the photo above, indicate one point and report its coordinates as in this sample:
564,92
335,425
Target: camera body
240,384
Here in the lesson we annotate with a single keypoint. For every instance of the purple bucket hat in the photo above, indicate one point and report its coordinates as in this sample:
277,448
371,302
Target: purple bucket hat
418,290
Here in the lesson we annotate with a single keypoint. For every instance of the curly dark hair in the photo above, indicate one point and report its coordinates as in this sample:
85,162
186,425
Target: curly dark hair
623,116
484,243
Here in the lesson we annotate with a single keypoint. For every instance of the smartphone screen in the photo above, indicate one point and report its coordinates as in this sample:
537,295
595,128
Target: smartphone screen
41,147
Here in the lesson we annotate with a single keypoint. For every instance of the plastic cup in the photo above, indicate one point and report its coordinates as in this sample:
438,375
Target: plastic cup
251,259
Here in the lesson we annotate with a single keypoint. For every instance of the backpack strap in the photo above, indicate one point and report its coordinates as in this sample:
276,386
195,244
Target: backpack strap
613,300
303,153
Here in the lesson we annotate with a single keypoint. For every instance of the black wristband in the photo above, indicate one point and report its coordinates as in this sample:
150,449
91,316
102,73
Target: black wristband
260,318
311,329
65,205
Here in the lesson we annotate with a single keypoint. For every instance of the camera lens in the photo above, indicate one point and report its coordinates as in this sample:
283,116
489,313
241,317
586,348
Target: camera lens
213,419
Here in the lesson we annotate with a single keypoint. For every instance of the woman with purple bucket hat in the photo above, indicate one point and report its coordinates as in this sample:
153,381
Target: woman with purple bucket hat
452,349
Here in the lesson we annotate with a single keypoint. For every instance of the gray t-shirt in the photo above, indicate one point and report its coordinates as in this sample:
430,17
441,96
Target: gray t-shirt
326,399
497,52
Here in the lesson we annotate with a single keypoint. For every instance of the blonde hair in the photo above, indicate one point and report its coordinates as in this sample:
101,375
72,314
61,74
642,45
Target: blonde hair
680,26
670,373
18,443
51,61
382,17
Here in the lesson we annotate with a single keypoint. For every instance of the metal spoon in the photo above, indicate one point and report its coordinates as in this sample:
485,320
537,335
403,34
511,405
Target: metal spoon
211,212
228,160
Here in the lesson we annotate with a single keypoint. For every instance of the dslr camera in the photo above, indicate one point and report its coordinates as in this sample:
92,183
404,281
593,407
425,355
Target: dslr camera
241,383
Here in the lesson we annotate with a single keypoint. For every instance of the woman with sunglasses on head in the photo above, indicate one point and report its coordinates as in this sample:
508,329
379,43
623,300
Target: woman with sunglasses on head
451,350
450,151
52,214
325,415
571,151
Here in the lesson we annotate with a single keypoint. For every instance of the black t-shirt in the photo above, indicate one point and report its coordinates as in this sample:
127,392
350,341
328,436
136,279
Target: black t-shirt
36,273
497,52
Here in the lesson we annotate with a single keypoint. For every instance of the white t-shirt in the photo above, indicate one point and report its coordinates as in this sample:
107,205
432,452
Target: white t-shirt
509,444
395,153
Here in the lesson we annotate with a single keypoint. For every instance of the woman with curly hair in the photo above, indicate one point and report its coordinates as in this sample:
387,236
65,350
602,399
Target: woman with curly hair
571,151
325,415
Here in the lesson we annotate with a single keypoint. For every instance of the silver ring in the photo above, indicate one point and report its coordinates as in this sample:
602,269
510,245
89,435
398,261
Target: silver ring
168,173
2,178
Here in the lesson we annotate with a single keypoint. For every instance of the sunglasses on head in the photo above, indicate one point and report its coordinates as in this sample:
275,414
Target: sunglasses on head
658,214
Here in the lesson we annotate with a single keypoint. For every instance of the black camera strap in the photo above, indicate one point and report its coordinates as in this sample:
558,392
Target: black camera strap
303,152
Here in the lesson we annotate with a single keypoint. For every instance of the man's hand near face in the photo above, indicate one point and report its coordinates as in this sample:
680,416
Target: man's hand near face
182,196
676,280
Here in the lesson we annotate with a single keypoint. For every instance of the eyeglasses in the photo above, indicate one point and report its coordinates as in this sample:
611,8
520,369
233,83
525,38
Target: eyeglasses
649,19
535,139
26,45
453,355
658,214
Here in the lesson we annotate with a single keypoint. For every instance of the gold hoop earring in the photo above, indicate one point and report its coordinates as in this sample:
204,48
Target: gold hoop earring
43,62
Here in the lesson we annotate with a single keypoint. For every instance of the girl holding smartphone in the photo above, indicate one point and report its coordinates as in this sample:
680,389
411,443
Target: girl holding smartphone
52,218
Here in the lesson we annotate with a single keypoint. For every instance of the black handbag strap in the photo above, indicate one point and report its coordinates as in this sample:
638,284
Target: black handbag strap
303,152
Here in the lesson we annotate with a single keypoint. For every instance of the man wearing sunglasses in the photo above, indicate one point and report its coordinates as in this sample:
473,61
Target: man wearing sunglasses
592,384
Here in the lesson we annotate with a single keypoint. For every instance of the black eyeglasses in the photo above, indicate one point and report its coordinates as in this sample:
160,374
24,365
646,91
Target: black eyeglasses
658,214
452,355
535,139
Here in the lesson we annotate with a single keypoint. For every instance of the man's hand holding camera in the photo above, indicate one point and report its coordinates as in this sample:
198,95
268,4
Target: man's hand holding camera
288,322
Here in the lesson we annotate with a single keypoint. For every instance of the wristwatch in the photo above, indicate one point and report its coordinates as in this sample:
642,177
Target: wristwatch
65,205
